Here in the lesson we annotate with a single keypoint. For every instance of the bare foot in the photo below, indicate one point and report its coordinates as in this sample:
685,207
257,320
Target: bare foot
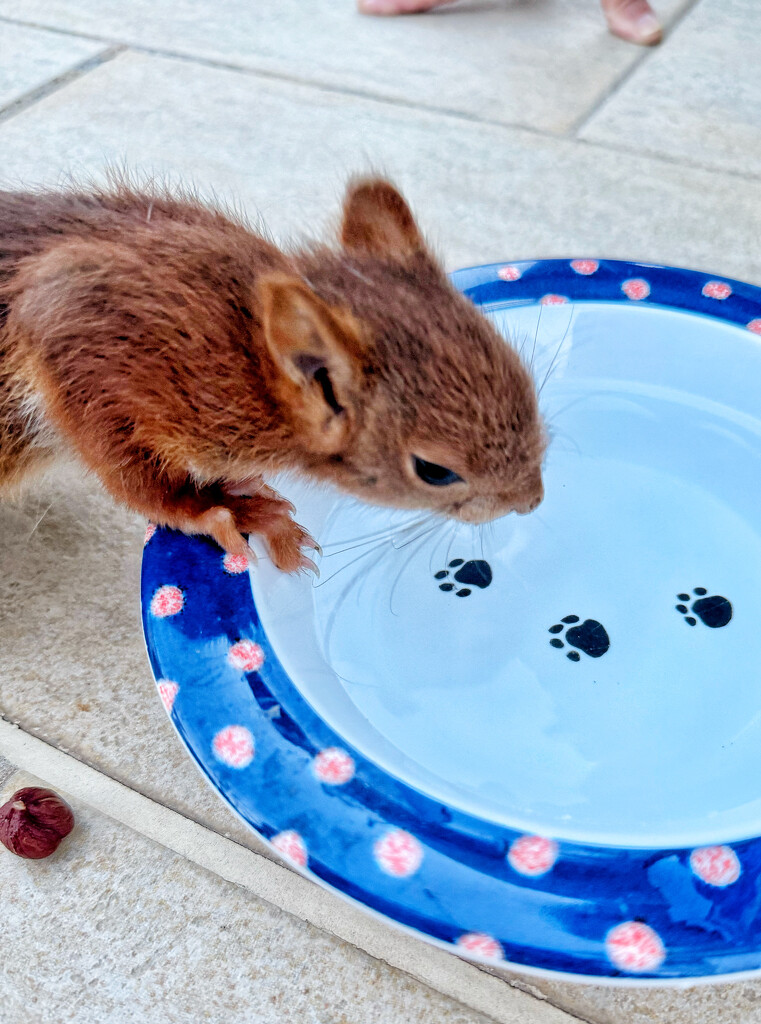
633,20
398,6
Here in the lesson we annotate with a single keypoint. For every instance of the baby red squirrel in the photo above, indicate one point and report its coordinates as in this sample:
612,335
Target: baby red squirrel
183,358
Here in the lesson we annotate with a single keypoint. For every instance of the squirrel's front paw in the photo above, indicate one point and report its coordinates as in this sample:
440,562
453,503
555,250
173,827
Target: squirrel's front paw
220,523
266,515
286,542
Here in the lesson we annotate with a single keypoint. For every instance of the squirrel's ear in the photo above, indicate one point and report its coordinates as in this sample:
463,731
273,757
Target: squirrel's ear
378,222
317,348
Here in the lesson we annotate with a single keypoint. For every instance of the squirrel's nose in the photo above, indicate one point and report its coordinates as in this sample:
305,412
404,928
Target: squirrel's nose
523,508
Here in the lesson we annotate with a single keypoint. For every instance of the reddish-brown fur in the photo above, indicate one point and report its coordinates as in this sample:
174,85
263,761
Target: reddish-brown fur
182,357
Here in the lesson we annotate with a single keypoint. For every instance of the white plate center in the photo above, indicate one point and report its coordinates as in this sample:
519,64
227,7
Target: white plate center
650,733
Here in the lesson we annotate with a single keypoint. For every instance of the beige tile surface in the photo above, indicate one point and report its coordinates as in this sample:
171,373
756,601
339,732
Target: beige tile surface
698,98
542,65
735,1003
485,193
113,929
30,58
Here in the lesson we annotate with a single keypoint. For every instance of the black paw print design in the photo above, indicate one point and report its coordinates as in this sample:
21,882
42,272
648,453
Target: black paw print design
713,611
590,637
475,573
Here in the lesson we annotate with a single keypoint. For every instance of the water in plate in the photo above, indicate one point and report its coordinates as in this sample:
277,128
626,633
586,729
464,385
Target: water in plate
591,671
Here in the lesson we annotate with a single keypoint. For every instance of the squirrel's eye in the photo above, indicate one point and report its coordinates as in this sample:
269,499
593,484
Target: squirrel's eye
436,476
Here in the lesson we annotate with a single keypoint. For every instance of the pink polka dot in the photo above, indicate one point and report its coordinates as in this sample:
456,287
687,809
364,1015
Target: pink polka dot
584,267
235,564
553,300
532,855
246,656
636,288
149,532
716,290
481,945
635,947
716,865
234,746
509,273
166,601
292,847
333,766
168,691
398,853
755,326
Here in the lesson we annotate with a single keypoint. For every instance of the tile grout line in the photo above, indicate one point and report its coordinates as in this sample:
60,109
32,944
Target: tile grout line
52,85
581,122
569,137
466,983
7,771
667,158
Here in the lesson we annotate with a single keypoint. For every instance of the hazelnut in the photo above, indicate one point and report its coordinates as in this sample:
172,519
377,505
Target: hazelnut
34,821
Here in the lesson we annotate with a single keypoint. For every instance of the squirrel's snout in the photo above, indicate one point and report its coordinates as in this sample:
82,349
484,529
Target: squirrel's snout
523,508
483,510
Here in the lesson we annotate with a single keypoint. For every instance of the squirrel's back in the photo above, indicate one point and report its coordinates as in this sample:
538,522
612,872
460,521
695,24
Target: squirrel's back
181,239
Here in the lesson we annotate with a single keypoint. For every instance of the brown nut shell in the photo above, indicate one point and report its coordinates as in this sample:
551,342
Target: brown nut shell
34,821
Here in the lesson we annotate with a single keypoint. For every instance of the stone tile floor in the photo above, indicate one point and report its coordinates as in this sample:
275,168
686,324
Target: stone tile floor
518,129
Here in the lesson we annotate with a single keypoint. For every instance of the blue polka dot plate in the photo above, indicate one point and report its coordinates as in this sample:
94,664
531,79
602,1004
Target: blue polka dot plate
536,742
